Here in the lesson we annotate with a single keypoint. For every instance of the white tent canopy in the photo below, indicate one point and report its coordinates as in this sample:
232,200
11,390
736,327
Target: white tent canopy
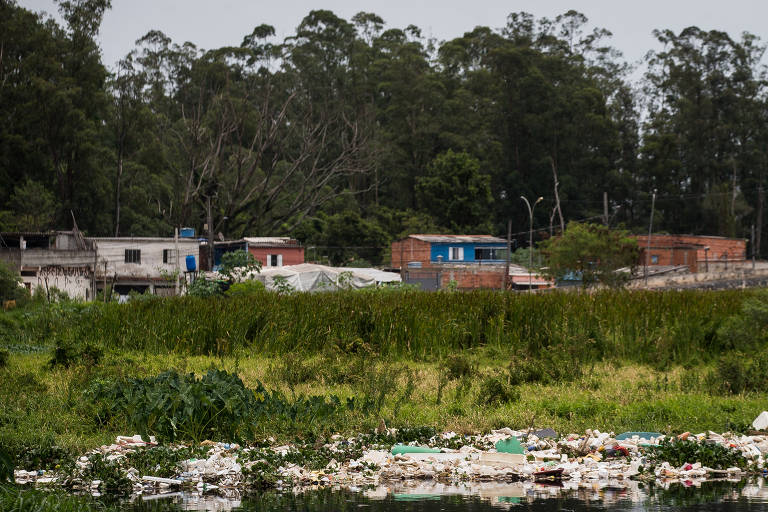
308,277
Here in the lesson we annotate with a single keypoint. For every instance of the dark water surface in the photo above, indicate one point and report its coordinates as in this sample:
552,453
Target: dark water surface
632,496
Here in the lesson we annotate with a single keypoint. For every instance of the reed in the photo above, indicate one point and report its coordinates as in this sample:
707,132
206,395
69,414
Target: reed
658,328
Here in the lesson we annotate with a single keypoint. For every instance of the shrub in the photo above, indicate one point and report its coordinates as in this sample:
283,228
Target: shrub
245,288
457,366
495,389
202,287
10,284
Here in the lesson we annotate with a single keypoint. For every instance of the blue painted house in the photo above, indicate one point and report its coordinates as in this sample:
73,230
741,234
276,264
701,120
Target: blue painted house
430,250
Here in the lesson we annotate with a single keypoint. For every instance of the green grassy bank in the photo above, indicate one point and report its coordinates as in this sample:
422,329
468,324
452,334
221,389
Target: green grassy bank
75,375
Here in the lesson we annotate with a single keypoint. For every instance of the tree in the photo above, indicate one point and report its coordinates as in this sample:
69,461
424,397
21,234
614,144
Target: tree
594,251
456,192
236,265
10,284
33,206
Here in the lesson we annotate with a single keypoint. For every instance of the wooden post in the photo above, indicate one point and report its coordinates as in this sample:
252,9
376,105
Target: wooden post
605,208
105,280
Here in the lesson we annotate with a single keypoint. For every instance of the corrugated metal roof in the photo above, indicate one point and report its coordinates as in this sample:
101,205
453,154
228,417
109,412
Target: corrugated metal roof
272,241
459,239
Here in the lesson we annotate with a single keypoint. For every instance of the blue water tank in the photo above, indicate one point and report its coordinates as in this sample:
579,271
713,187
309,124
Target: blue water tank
191,265
187,232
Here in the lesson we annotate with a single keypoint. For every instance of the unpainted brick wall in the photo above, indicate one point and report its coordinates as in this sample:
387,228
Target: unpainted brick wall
408,250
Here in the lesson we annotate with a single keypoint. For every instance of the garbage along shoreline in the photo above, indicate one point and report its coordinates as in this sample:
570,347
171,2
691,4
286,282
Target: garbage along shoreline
501,456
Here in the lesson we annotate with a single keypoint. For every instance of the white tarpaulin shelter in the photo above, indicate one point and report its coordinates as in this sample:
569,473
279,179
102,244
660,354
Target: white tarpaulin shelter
308,277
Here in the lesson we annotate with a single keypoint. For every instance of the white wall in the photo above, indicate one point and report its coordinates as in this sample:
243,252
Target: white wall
151,266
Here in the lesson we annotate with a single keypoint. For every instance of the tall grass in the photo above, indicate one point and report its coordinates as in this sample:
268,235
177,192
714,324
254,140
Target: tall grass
644,327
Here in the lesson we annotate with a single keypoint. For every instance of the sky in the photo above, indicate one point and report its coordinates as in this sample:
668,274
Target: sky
215,23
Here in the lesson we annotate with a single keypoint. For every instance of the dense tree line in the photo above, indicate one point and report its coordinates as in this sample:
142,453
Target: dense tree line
348,133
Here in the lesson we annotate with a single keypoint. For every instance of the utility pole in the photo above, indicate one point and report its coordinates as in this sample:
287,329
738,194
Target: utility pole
759,227
509,254
605,208
752,243
650,230
211,252
176,250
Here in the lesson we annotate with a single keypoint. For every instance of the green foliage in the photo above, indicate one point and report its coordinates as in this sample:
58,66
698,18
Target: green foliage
10,284
217,406
593,251
172,406
738,372
66,355
33,206
108,472
456,192
204,288
458,366
495,389
658,328
236,265
245,289
282,286
678,452
6,466
4,356
748,329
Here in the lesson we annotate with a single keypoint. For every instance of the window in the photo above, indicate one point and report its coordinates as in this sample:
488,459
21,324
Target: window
455,253
133,256
654,259
169,256
490,253
274,260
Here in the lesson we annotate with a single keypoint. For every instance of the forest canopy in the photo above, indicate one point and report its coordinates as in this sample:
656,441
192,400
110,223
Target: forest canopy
349,133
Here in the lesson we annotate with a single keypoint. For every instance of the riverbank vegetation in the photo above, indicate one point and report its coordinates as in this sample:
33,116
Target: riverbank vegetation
305,366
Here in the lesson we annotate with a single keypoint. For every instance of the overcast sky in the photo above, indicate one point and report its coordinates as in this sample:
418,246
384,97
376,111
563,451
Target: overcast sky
216,23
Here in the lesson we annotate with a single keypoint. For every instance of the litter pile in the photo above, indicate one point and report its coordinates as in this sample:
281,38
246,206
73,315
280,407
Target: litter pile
503,455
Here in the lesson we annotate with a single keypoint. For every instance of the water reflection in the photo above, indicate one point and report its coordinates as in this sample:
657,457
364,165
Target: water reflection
433,497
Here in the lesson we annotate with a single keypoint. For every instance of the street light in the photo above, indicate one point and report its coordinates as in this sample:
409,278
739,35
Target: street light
530,239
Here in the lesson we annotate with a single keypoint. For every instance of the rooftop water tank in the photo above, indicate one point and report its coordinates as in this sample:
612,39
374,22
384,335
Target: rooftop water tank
187,232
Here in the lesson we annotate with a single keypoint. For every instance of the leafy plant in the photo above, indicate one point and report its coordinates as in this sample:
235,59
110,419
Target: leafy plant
236,265
281,284
203,288
678,452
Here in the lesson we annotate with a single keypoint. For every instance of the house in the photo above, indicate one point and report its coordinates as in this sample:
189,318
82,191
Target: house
60,259
698,253
275,251
84,266
219,249
428,250
465,261
142,264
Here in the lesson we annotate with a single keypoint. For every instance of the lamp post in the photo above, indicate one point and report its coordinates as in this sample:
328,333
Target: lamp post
530,238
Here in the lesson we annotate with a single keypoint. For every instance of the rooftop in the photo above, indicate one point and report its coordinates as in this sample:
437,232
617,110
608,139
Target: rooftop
271,241
459,239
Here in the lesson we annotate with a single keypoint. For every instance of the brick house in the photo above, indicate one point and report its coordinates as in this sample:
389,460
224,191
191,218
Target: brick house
276,251
469,261
697,252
